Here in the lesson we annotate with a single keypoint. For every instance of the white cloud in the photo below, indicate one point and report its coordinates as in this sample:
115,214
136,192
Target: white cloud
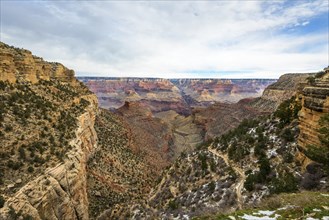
170,39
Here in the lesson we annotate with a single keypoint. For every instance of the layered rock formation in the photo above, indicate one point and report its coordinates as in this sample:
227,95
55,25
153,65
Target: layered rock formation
47,135
287,86
219,118
315,103
157,94
203,91
61,192
19,65
174,94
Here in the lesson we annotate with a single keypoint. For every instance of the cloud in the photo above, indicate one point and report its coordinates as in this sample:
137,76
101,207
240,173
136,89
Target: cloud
172,39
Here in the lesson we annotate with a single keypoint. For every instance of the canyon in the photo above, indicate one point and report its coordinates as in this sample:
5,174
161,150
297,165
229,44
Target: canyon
179,95
132,148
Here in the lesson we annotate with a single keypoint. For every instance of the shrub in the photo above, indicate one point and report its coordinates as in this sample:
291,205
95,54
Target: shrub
30,169
311,80
22,154
287,111
2,201
287,135
264,168
320,74
173,204
284,183
212,186
251,179
203,159
318,154
324,130
8,128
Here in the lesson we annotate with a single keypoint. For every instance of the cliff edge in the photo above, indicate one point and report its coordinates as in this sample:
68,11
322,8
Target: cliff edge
47,135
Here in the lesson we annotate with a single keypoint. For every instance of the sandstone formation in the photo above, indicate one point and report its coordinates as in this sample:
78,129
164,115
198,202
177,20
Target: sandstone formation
60,193
286,86
47,135
18,65
315,103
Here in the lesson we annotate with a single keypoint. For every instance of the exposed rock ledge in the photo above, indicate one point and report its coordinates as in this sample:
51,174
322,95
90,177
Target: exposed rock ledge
315,104
60,193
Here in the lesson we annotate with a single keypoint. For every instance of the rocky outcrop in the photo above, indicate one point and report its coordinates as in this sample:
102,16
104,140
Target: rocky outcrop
59,102
287,86
221,117
315,103
61,192
18,65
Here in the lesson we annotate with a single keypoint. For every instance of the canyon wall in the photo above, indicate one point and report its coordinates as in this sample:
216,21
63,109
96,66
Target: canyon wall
51,116
157,94
173,94
203,91
287,86
19,65
315,103
61,192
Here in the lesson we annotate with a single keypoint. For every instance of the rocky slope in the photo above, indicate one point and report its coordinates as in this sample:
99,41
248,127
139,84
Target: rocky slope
47,135
238,169
217,119
287,85
116,174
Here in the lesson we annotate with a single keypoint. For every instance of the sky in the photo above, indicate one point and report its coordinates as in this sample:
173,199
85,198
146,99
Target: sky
173,39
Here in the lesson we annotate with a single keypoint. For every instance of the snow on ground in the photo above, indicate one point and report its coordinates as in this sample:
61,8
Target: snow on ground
261,215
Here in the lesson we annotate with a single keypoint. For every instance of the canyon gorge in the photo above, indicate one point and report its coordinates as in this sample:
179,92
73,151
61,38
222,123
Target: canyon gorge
148,148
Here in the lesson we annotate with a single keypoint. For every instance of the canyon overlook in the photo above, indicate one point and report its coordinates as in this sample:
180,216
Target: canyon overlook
154,148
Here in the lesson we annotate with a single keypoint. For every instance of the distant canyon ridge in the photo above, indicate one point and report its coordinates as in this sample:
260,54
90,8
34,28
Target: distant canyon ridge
179,95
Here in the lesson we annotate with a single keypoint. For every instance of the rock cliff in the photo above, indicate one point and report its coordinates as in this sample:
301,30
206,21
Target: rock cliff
315,104
61,192
47,135
19,65
287,86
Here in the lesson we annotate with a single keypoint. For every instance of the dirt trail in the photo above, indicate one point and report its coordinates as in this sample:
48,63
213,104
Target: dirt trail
239,184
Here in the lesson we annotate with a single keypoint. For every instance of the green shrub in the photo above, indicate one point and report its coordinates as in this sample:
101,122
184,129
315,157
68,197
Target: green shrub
2,201
324,130
320,74
8,128
212,186
203,159
173,204
311,80
287,111
22,154
30,169
287,135
284,183
318,154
